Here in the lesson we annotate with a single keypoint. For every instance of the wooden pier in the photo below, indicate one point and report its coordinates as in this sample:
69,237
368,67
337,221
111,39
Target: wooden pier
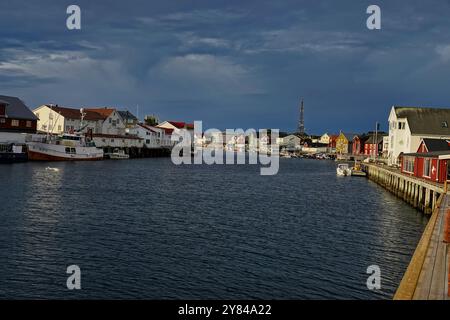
421,194
427,276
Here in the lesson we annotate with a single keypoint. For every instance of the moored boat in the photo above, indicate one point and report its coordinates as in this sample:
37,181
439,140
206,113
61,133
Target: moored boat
66,147
13,152
117,154
343,170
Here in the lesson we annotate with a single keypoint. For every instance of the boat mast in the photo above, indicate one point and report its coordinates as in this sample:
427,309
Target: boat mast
83,114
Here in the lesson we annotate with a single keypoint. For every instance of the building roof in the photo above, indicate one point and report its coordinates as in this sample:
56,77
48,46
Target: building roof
72,113
150,128
127,115
181,125
16,108
436,144
433,154
105,111
423,121
349,136
371,138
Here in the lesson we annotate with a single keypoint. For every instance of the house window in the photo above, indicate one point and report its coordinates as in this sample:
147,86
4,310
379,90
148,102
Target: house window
14,123
2,120
401,125
28,124
59,128
408,164
444,124
44,127
427,167
147,141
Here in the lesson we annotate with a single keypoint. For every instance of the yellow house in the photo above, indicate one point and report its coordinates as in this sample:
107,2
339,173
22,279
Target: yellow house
344,143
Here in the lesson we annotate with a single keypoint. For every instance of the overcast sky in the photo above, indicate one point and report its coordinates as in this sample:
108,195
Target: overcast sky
230,63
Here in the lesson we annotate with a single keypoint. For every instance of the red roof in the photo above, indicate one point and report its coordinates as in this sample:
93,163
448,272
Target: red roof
181,125
105,112
71,113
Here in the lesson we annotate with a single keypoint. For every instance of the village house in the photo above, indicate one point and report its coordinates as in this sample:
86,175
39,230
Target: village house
408,125
16,120
324,139
105,125
129,119
358,144
431,161
152,136
344,143
373,146
332,143
291,142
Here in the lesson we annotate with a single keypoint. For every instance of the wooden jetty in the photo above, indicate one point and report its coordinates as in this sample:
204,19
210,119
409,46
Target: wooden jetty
427,276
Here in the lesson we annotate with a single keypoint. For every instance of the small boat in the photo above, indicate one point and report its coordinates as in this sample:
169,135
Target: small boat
357,170
65,147
343,170
118,154
13,152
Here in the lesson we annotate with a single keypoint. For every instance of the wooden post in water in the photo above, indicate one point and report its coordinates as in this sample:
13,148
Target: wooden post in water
427,208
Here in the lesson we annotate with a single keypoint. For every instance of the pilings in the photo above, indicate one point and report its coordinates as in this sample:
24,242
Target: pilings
418,193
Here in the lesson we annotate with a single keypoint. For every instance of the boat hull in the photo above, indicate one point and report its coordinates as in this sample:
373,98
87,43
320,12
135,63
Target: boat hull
48,152
13,157
37,156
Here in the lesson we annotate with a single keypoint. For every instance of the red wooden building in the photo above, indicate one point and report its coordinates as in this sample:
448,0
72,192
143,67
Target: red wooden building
430,162
15,116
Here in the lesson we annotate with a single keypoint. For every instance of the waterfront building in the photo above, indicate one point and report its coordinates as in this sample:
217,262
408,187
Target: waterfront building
344,143
176,126
16,120
324,139
129,119
152,137
431,161
408,125
358,144
58,120
332,143
373,145
291,142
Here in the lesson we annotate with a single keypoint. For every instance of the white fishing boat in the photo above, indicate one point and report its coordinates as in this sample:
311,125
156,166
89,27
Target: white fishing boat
343,170
65,147
118,154
73,146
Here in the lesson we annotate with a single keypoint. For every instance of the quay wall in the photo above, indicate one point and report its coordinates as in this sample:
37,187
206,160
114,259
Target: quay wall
419,193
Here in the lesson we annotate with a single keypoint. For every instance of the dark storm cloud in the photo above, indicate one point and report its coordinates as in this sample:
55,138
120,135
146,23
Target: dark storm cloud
230,63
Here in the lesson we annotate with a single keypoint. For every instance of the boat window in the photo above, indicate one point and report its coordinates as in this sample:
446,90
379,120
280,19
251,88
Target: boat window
73,150
67,150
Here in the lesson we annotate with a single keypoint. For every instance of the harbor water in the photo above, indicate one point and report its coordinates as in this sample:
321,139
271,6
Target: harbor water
147,229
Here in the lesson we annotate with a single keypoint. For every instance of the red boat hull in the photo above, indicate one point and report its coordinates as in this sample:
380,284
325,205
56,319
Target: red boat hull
36,156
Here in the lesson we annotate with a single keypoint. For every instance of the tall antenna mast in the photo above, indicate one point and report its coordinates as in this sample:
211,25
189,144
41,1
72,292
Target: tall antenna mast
301,123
